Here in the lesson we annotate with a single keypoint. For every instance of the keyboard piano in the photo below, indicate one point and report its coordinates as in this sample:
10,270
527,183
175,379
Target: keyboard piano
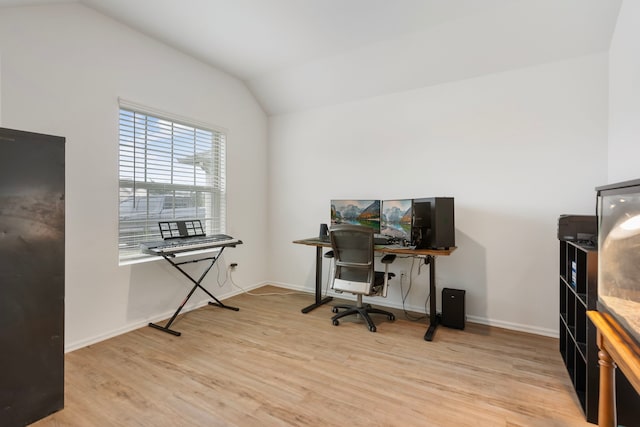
185,236
187,244
182,237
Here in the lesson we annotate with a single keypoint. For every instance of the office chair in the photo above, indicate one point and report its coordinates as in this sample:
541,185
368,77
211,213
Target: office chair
354,271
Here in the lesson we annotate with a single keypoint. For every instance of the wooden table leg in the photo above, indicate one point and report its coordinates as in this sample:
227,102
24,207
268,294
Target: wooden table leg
607,403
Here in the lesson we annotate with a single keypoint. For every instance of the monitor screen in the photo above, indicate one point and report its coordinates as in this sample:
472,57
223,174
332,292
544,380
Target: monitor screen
359,212
396,219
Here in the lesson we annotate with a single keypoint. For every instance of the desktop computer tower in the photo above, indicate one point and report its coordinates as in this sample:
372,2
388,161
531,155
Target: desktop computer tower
433,223
453,315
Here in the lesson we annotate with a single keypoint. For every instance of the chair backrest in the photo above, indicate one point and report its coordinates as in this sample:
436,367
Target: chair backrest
354,262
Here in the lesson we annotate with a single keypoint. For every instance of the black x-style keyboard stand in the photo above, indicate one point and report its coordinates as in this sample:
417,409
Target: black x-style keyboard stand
196,285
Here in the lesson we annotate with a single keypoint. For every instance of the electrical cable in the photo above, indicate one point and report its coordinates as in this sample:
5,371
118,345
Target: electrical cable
263,294
217,265
229,277
404,296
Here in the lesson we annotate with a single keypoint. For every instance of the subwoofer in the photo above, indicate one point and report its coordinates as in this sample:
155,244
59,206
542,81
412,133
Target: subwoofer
453,315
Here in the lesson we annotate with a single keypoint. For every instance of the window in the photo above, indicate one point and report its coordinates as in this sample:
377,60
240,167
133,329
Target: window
168,170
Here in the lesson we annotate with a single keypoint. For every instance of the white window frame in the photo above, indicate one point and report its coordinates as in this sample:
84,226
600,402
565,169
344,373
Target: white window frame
155,176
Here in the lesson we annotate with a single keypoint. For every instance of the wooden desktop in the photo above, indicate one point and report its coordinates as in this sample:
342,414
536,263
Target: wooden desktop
617,349
429,256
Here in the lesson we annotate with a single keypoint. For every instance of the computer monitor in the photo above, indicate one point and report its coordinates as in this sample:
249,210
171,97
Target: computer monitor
359,212
396,219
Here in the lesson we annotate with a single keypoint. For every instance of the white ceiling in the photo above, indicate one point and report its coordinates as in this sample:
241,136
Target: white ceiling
300,54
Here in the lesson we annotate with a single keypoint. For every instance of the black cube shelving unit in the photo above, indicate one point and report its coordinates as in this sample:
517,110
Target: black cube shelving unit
578,293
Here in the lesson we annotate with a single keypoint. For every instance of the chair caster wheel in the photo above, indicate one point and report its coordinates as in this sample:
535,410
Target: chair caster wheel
392,317
372,328
336,323
334,309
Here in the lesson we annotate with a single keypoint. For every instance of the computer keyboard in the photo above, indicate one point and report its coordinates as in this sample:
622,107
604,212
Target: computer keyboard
398,246
381,239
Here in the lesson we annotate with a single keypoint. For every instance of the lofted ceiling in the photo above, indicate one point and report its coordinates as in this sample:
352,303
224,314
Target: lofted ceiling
301,54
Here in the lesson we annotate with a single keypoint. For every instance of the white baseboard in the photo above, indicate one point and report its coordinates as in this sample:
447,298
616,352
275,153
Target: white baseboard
292,287
236,291
131,326
419,309
514,326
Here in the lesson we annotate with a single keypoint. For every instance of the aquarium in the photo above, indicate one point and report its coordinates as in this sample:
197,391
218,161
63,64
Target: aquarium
619,254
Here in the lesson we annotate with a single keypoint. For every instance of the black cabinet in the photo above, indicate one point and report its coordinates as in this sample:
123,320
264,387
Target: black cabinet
578,293
32,188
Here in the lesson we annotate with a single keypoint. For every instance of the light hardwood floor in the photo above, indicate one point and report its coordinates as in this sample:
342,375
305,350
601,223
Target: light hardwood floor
271,365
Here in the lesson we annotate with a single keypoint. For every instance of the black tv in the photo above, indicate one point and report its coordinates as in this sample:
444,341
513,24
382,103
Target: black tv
359,212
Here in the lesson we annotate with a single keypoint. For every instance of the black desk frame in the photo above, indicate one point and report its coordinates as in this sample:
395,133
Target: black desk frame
319,300
434,319
196,285
429,256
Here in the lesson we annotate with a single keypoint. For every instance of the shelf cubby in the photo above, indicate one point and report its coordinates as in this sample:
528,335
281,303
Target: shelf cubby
578,293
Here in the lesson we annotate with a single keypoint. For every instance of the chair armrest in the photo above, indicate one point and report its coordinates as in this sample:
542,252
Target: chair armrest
388,258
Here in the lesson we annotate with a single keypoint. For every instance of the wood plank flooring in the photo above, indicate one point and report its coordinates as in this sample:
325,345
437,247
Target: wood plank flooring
271,365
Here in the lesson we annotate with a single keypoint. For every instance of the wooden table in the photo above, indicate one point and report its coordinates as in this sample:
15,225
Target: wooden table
617,349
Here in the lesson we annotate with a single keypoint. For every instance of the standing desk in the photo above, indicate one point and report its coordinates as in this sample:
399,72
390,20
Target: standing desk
429,256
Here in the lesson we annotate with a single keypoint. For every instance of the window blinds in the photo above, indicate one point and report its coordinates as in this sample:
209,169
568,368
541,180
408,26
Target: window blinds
167,170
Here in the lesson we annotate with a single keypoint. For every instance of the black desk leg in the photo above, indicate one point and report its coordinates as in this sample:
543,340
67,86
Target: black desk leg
319,299
196,285
433,317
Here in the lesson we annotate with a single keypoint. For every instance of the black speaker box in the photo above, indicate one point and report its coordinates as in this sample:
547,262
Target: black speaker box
453,315
433,223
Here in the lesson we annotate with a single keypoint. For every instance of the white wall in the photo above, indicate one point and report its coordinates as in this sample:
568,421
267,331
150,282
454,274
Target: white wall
515,149
490,37
624,95
63,69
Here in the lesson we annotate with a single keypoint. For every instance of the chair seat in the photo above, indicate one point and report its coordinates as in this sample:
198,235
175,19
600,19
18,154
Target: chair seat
364,310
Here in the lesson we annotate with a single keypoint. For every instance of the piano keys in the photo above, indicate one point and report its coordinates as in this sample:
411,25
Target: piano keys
186,244
185,236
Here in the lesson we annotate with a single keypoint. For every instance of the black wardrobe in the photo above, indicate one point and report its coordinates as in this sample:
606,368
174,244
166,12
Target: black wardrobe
31,276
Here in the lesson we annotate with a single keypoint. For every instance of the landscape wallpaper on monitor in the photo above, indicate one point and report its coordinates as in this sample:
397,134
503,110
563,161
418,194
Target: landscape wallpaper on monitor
359,212
396,218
